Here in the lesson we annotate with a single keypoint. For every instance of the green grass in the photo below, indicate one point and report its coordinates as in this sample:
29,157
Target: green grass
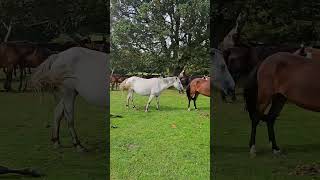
25,140
297,132
168,144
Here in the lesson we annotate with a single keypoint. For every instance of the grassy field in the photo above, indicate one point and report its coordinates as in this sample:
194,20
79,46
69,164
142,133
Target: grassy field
168,144
297,132
25,140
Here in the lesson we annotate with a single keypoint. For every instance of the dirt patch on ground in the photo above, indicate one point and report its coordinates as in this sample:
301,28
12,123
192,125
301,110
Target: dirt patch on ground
306,170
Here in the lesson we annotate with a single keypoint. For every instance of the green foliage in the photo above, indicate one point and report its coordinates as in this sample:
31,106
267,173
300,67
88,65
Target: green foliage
163,35
42,20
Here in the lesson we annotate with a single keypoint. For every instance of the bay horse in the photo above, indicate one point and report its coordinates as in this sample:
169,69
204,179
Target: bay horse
116,80
280,77
149,87
76,71
197,86
21,54
240,60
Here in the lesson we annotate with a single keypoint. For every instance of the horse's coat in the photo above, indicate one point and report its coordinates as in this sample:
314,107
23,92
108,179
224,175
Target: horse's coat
76,71
149,87
196,87
281,77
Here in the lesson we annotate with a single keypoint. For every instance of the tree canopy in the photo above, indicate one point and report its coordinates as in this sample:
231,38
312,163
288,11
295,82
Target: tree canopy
43,20
160,36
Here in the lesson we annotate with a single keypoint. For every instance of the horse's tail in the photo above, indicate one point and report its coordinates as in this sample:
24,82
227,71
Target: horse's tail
250,93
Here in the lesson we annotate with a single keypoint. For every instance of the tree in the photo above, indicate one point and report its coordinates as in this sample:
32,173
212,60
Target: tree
165,36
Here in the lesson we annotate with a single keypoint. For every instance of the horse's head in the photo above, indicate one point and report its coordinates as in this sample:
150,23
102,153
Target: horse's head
222,77
178,85
304,51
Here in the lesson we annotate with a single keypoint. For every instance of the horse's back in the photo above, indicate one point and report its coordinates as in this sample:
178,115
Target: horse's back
90,70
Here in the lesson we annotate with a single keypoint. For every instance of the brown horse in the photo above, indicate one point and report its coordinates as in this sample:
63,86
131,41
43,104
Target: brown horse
241,60
115,80
22,55
281,77
197,86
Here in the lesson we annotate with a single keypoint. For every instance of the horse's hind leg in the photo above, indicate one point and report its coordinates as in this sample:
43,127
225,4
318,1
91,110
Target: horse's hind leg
58,115
68,103
278,102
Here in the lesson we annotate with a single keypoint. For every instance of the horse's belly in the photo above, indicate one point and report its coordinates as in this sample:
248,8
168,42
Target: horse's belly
142,92
304,95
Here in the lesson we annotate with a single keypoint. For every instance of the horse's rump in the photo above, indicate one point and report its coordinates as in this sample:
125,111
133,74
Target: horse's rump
292,76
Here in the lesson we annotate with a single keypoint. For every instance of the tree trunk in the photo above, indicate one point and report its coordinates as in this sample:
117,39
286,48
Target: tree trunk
9,30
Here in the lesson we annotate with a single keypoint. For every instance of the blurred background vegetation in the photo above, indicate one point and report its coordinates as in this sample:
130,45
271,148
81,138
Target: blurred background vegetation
54,20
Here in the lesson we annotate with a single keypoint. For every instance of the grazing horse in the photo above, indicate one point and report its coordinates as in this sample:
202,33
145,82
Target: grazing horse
197,86
21,54
149,87
241,60
76,71
114,79
281,77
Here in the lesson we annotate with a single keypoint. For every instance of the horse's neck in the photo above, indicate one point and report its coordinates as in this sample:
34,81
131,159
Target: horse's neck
165,83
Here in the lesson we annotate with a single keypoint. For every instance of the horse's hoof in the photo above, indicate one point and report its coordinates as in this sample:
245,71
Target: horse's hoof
196,109
56,145
276,152
253,152
133,107
81,149
189,109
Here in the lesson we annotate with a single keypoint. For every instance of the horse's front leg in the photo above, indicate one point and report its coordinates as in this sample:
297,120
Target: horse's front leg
158,103
129,96
7,84
252,144
22,70
149,101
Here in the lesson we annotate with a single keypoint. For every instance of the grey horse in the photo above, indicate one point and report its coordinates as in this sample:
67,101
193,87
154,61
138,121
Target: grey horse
76,71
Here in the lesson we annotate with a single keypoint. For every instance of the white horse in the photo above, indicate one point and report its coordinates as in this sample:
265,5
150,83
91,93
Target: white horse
149,87
76,71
